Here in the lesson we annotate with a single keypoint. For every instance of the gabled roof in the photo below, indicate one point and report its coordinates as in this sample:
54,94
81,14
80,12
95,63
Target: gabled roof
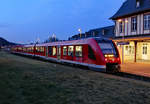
129,8
106,32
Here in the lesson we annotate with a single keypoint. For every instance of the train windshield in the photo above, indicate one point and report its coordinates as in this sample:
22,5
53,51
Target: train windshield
107,47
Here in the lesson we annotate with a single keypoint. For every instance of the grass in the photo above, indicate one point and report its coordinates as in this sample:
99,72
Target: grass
28,81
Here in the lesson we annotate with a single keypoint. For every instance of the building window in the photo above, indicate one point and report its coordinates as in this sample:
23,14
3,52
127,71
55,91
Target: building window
134,24
54,51
78,51
147,22
70,50
144,49
65,50
121,27
129,50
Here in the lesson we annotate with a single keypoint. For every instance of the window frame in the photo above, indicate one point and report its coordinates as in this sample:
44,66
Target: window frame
70,51
79,51
134,24
144,49
146,21
129,50
40,49
65,51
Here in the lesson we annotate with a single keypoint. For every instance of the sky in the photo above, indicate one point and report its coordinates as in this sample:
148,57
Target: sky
23,21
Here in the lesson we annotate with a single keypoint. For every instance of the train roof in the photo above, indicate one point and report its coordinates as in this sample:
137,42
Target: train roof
72,42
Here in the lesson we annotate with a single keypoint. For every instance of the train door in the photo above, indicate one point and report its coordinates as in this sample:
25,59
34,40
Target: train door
46,51
70,53
58,52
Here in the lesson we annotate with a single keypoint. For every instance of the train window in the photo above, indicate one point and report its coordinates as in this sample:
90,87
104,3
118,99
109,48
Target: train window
24,49
50,50
91,53
64,50
70,50
54,51
30,49
40,49
78,51
19,48
107,48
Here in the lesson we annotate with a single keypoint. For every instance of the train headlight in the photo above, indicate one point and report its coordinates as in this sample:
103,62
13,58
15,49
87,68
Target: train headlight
110,55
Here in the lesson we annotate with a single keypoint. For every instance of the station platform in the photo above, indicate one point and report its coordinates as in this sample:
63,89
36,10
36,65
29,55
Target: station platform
141,69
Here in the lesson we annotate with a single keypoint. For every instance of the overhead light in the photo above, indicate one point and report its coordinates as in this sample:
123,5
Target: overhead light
120,20
126,21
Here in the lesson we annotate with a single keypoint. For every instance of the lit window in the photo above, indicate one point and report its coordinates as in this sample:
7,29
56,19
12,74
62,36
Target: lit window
134,24
54,51
147,22
144,49
39,49
129,50
64,50
78,52
70,51
19,48
24,49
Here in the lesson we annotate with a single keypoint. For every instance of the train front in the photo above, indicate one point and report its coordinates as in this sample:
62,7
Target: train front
111,54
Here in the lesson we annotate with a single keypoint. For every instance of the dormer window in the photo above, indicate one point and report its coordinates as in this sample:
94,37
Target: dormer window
137,3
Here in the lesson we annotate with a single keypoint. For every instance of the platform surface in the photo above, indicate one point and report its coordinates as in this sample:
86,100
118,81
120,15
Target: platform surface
142,69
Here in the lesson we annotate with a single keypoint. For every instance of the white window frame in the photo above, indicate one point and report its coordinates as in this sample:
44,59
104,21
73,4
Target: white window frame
146,21
134,24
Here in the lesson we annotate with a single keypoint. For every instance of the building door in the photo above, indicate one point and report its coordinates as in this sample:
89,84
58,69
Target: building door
144,52
58,52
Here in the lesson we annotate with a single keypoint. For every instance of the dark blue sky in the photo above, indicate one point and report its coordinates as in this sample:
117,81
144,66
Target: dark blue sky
25,20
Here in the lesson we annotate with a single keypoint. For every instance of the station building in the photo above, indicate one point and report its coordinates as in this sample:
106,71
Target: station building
132,30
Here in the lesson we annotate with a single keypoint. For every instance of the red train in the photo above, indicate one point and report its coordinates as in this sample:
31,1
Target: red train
96,53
